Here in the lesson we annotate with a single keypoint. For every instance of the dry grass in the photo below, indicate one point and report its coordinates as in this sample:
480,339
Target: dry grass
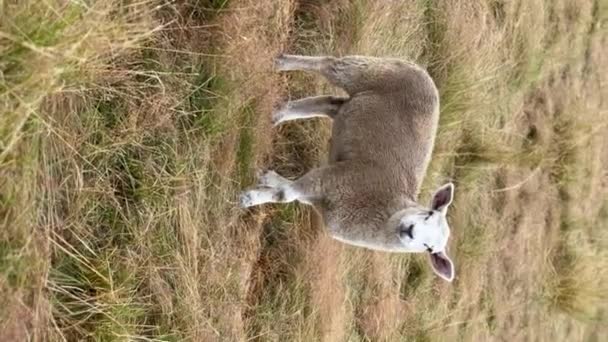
128,127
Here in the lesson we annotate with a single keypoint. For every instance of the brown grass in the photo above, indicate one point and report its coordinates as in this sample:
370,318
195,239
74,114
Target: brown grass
128,127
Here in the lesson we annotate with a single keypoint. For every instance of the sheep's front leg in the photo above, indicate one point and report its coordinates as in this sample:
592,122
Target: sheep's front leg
253,197
311,188
272,188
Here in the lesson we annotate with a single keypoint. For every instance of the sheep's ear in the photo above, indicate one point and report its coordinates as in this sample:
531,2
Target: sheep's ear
443,197
442,265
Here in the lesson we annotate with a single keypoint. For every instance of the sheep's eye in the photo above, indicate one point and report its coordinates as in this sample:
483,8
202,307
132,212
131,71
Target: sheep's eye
428,249
429,214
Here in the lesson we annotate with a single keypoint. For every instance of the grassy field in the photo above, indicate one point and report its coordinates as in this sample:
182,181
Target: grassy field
128,127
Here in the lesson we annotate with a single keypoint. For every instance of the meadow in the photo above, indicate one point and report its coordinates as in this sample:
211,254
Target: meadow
128,128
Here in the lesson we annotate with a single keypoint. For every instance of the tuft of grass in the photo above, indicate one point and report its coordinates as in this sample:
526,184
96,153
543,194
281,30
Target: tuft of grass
95,298
43,52
577,285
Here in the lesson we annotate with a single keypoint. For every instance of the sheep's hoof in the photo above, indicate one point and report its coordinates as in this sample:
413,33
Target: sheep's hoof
280,63
246,200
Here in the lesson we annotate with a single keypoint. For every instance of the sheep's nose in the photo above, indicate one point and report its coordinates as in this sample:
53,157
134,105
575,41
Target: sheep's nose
406,230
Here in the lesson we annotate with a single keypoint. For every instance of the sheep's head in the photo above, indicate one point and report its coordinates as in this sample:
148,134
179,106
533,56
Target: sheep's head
424,229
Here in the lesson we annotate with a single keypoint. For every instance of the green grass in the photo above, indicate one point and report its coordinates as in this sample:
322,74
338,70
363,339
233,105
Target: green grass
280,295
96,292
202,109
244,153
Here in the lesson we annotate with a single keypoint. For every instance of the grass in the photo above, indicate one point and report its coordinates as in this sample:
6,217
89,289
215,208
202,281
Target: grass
128,128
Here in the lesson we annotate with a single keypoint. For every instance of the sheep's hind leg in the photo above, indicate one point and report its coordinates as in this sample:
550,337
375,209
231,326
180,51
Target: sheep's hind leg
310,107
354,74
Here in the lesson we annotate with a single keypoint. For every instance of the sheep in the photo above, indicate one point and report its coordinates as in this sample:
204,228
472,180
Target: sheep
382,139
